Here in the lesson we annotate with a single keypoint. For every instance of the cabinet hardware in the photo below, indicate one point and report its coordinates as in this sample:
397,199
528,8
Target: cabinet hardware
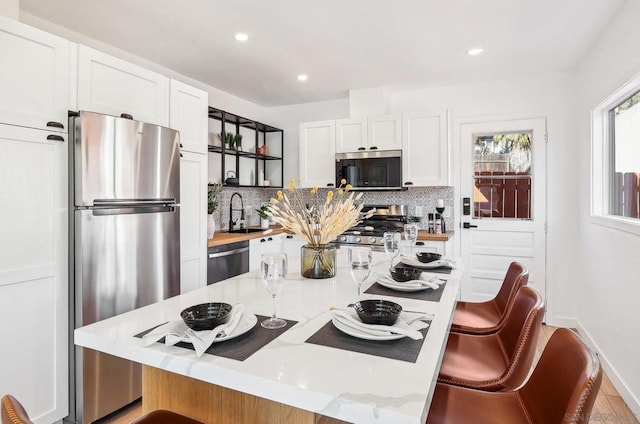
262,240
269,239
55,124
373,148
408,183
362,148
54,137
181,155
289,237
126,116
330,185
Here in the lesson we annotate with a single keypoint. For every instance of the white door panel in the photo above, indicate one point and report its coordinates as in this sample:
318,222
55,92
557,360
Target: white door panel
508,210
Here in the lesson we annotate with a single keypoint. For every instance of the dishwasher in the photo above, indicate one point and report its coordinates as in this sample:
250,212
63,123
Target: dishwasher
227,261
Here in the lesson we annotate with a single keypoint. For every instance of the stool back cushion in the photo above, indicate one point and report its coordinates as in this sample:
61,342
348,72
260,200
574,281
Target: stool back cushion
564,385
516,277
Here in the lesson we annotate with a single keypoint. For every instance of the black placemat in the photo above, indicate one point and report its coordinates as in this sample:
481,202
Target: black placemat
428,294
404,349
241,347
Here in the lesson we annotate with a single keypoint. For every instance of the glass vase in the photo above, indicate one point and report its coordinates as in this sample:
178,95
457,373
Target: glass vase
318,261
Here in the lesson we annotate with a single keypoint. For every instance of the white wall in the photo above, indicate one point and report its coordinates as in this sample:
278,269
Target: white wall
607,281
9,8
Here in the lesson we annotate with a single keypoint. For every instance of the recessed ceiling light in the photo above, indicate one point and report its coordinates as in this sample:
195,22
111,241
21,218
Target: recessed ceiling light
474,52
241,36
303,77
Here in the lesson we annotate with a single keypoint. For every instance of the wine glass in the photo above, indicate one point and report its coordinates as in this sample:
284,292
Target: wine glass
359,265
391,245
411,234
274,269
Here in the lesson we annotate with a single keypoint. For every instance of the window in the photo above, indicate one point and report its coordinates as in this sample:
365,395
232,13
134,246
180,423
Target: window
616,159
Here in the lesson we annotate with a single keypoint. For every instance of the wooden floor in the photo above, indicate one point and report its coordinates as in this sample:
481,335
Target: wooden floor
609,406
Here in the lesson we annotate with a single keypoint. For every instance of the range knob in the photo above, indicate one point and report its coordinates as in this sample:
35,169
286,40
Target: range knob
343,238
372,240
358,239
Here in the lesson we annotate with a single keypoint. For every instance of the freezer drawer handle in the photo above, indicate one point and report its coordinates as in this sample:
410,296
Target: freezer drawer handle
230,252
131,211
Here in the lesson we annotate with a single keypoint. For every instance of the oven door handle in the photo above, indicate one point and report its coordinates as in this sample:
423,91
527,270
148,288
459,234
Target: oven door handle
230,252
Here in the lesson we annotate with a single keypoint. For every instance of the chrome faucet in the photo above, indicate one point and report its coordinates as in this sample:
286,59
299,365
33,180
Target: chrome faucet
232,222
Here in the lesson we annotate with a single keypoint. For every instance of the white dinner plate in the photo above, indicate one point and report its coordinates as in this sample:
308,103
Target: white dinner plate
352,331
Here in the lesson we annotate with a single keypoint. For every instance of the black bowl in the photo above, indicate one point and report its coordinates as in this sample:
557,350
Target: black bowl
427,257
377,311
206,315
402,274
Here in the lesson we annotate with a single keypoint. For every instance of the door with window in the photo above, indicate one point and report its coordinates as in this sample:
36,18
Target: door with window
504,212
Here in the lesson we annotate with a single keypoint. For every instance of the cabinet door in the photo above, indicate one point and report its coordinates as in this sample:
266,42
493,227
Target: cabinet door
257,247
34,279
193,221
425,150
291,245
112,86
34,77
318,153
189,114
385,132
351,135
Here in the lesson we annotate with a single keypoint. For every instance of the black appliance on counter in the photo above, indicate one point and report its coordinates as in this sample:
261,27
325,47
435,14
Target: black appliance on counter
368,233
370,170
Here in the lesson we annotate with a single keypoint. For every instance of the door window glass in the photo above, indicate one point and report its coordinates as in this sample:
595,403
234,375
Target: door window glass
502,175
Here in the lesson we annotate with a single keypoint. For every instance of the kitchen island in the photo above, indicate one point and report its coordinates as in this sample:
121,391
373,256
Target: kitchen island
288,380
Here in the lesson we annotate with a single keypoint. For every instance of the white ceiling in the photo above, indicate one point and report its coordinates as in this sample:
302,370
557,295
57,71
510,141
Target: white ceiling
340,44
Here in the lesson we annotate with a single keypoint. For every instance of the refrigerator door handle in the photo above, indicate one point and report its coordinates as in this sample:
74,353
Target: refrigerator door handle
132,210
133,202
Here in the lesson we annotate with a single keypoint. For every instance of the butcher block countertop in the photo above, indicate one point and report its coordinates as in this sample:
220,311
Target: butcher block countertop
222,238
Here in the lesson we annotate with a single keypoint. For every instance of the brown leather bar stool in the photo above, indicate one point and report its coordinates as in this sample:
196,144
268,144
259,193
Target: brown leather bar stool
488,317
498,361
14,413
562,389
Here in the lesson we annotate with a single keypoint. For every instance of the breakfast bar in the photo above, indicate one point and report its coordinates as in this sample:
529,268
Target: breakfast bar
309,372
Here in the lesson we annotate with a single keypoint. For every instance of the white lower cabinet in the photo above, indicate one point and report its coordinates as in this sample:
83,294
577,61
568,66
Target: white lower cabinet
258,246
193,221
441,247
34,279
291,245
110,85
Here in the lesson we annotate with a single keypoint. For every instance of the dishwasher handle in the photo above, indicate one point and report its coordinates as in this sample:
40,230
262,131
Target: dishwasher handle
227,253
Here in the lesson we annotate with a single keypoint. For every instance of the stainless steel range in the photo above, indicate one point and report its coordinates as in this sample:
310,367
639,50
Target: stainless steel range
369,233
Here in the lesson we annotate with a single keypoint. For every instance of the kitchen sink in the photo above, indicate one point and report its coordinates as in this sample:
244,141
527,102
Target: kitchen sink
246,230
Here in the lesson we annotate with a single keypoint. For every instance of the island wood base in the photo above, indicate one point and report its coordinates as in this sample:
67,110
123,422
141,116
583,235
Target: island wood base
213,404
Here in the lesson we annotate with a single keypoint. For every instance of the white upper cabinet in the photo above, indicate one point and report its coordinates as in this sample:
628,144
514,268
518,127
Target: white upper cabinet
34,77
317,153
113,86
351,135
193,221
385,132
425,149
188,113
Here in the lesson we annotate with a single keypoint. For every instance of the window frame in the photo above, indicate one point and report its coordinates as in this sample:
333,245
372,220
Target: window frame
602,160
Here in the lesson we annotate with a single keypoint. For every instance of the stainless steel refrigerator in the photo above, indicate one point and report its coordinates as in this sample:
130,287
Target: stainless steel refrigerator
126,243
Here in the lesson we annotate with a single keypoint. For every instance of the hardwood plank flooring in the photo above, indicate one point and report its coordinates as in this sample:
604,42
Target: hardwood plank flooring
609,406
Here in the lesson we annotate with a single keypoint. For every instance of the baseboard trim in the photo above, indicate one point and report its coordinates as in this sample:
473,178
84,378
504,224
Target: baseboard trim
566,322
631,400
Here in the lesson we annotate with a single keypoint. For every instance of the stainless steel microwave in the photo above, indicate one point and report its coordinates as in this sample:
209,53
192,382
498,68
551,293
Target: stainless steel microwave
370,170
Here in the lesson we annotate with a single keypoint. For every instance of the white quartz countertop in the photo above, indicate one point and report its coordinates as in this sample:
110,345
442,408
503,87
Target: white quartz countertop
349,386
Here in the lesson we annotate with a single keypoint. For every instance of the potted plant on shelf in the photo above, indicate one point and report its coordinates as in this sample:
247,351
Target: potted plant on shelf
237,140
212,206
229,141
264,217
318,219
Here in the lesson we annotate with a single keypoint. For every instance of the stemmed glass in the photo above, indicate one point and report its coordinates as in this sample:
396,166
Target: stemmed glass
391,245
411,234
274,269
359,265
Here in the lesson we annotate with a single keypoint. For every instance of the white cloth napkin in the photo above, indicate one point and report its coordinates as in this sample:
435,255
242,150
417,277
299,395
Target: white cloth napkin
430,282
177,331
409,260
351,319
